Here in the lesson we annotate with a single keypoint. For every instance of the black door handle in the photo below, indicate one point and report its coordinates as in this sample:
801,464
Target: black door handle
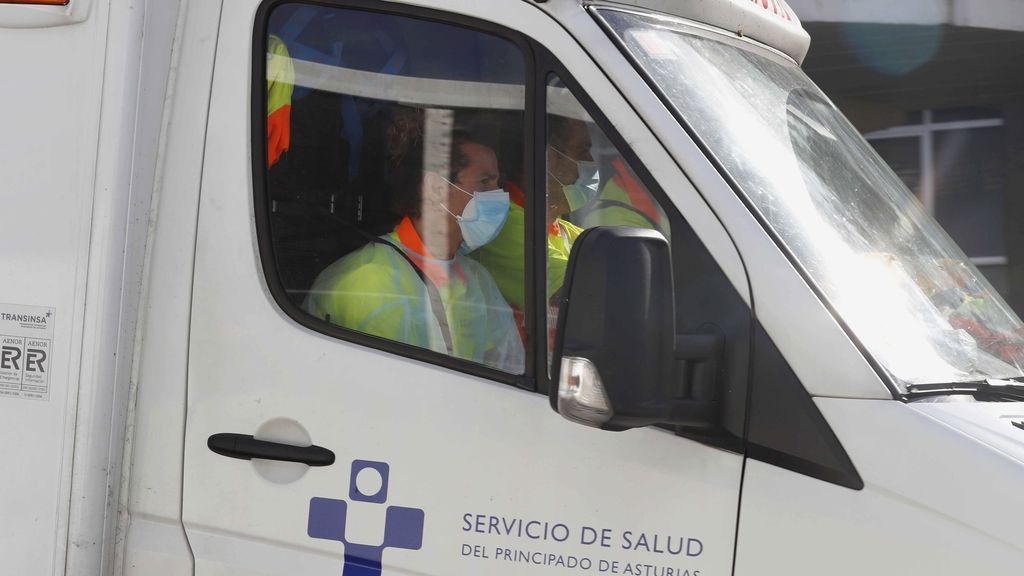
245,447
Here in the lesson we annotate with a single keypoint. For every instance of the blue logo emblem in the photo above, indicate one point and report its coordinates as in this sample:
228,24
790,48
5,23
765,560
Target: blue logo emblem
403,527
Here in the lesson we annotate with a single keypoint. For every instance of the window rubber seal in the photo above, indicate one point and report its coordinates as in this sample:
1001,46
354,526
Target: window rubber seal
260,192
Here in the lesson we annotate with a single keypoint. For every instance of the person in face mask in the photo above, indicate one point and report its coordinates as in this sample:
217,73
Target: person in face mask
505,256
573,175
580,192
576,190
417,286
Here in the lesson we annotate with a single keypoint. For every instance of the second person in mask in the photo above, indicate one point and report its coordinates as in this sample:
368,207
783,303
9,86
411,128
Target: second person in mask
588,197
444,214
505,255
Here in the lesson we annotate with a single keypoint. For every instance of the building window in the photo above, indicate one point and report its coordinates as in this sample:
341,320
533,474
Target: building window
955,163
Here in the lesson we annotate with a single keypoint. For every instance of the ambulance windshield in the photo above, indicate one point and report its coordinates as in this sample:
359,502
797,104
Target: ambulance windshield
903,288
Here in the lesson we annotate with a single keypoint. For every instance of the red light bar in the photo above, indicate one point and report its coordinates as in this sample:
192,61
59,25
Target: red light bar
775,6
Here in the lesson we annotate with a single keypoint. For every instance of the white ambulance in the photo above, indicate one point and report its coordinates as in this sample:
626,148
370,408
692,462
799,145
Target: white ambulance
768,360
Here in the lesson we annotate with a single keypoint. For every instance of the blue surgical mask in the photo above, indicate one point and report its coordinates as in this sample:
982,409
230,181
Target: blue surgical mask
585,188
482,218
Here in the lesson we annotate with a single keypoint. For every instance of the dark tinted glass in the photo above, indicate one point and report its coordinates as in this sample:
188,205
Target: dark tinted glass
970,175
903,155
965,113
387,139
999,277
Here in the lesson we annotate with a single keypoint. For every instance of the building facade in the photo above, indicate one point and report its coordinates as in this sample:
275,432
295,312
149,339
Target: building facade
937,87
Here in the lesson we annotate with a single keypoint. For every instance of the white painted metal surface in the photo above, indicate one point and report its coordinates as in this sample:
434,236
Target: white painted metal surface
456,444
771,22
109,115
995,425
153,539
936,499
81,156
29,16
48,159
134,78
786,307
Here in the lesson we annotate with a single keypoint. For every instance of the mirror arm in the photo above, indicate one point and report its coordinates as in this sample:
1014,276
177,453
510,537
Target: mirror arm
693,413
699,358
699,347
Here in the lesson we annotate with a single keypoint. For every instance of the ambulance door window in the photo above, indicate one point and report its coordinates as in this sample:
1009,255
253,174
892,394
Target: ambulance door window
393,155
589,183
594,179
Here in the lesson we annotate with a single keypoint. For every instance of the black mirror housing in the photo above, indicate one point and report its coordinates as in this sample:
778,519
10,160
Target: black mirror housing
615,361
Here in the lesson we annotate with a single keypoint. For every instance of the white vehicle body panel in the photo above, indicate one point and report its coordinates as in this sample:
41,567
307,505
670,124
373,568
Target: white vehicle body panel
931,494
772,22
29,16
130,213
49,163
153,541
994,425
104,73
842,373
367,404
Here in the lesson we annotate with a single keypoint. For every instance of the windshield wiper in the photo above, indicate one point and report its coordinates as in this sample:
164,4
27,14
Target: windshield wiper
990,389
1009,389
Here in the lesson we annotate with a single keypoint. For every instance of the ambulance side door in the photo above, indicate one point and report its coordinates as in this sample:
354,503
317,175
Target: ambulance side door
313,447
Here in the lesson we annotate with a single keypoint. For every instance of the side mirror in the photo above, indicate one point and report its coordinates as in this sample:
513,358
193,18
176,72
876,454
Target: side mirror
618,361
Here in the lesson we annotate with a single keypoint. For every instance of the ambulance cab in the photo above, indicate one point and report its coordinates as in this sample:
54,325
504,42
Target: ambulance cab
460,287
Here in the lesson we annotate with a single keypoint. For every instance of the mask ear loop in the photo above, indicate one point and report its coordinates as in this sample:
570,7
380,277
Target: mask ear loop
563,154
458,217
552,174
457,187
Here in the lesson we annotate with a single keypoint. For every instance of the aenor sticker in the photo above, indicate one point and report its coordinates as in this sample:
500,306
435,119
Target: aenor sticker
26,346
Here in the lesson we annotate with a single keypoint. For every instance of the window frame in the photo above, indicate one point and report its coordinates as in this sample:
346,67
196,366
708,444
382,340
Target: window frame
596,13
539,64
261,202
547,64
761,350
925,132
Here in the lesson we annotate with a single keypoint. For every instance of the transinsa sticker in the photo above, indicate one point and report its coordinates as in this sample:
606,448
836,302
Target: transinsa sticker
26,343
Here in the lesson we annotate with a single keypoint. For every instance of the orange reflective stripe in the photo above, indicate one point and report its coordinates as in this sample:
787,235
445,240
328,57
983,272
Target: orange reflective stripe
280,84
410,238
638,195
279,133
515,194
519,317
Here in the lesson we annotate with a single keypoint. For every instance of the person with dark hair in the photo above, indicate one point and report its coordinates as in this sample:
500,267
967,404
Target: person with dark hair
416,285
590,198
575,200
505,255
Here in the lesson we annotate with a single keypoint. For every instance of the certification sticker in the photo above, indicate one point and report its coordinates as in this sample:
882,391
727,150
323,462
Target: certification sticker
26,342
